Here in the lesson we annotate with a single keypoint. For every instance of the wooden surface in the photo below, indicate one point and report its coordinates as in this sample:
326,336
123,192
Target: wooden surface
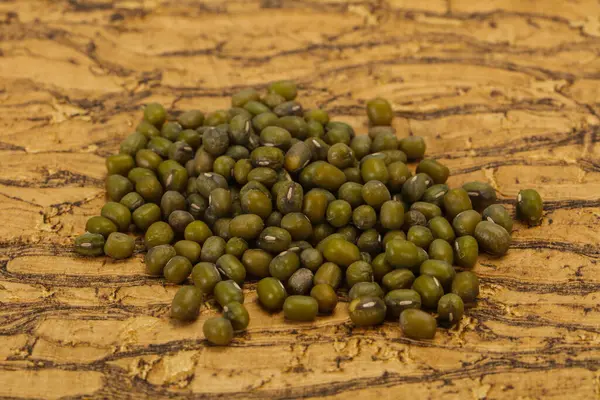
504,91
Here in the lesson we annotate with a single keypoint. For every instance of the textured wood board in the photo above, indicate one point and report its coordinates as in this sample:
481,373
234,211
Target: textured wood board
504,91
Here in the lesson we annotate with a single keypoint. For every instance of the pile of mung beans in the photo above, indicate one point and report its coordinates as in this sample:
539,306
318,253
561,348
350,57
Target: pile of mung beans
271,192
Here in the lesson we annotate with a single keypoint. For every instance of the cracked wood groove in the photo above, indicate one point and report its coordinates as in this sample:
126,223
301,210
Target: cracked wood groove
505,91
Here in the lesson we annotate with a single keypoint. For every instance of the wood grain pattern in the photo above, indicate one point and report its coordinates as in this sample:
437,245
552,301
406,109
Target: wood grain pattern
506,91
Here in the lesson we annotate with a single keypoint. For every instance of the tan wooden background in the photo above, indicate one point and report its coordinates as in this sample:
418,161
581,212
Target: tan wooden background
504,91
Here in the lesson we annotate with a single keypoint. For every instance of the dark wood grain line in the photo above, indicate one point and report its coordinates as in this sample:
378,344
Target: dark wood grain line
584,249
386,380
